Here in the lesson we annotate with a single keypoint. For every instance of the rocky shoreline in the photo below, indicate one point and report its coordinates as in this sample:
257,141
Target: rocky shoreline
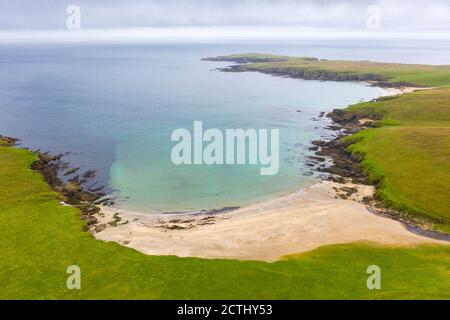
347,166
78,191
242,65
8,141
75,192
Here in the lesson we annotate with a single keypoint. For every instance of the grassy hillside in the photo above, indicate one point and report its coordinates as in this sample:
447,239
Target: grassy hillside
313,68
410,154
426,108
40,239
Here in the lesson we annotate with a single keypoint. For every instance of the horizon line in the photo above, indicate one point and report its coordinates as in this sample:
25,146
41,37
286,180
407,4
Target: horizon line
208,33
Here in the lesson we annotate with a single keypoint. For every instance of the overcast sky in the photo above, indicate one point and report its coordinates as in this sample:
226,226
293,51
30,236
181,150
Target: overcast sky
396,15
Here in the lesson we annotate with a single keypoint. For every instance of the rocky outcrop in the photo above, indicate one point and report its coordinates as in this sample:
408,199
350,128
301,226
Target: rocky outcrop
347,166
246,59
307,72
8,141
73,192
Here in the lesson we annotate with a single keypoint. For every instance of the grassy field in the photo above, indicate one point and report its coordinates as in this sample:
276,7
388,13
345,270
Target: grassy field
426,108
313,68
410,154
40,239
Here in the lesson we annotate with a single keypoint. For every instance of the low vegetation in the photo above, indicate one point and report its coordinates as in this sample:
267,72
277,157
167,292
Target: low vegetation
409,156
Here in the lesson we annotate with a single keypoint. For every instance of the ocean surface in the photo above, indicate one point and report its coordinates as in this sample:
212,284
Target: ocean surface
113,107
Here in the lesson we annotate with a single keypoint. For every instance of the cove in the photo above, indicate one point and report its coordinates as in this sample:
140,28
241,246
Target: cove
114,107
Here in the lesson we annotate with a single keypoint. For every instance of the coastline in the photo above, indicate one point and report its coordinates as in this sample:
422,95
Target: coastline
325,213
396,91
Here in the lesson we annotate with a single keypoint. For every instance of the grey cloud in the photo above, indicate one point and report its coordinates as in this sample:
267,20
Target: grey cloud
397,14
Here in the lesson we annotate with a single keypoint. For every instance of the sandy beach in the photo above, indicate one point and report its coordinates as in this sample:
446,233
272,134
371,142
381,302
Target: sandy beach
313,217
396,91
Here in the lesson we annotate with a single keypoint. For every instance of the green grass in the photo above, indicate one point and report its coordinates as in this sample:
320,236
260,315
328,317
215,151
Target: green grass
421,108
311,68
40,238
410,154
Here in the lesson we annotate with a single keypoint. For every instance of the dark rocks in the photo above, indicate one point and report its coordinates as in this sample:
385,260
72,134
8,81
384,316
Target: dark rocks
349,191
211,212
8,141
367,200
116,221
96,190
334,128
175,227
90,174
345,164
386,84
318,143
89,209
71,171
48,165
98,228
343,117
90,220
318,159
72,192
337,179
46,158
207,221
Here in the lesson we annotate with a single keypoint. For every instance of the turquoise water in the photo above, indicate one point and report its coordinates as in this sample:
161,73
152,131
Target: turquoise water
115,106
143,169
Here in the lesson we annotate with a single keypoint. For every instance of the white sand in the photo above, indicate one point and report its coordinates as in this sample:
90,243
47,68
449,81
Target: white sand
386,92
301,222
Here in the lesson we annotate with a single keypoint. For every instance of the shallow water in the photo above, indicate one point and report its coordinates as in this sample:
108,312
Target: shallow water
114,106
